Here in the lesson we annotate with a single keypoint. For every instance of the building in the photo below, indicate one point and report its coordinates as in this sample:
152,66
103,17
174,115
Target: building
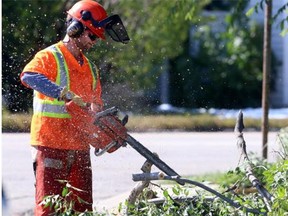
279,44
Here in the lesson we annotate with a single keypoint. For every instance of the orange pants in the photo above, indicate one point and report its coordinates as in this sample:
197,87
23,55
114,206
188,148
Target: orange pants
69,165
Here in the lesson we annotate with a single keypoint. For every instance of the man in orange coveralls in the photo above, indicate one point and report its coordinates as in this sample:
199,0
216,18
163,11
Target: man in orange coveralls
59,74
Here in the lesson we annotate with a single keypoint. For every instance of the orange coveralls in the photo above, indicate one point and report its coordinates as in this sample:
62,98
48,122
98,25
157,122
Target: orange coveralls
61,152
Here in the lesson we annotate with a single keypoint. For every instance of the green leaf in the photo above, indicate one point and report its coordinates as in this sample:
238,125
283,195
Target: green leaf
284,32
281,193
166,194
261,4
65,191
250,12
175,191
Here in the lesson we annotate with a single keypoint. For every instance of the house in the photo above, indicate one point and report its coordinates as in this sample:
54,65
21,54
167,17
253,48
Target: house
279,44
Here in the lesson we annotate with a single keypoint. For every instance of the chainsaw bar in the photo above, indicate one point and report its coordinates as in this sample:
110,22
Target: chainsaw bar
150,156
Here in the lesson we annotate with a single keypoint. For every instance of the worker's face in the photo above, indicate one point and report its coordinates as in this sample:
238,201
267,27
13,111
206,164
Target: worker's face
86,40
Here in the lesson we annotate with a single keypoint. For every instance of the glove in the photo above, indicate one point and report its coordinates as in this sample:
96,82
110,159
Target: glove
66,95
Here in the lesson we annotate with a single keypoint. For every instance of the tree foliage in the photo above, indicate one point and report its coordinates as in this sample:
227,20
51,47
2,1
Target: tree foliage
225,68
282,10
156,28
28,26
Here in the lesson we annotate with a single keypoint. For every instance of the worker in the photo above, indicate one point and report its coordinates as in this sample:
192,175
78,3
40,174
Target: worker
59,74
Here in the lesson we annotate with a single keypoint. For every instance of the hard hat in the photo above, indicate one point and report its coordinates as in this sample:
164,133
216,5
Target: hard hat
89,13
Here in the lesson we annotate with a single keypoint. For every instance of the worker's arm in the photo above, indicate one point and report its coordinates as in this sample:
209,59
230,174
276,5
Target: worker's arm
42,84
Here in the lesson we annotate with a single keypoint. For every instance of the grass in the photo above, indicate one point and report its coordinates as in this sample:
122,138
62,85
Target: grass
215,178
218,178
19,122
201,122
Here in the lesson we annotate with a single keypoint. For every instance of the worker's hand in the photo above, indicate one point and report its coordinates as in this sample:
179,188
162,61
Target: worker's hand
67,95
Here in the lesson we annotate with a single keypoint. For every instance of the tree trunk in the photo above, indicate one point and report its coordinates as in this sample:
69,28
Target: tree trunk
266,77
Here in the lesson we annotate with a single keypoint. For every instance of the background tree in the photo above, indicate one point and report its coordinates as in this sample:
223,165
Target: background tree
222,65
27,27
157,31
269,19
266,77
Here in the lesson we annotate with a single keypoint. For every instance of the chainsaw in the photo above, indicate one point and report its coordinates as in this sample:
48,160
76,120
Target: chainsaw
109,122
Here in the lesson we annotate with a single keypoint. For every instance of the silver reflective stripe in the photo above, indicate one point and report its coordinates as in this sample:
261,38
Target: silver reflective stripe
53,163
40,106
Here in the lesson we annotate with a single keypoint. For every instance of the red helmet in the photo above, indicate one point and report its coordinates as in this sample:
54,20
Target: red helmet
88,12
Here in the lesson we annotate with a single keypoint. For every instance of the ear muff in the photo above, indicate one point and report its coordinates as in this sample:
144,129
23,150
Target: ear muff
87,16
75,29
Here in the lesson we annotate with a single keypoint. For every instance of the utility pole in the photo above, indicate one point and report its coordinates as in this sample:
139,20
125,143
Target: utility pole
266,76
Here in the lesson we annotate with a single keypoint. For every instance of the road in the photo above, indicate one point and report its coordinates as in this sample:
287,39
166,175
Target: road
187,153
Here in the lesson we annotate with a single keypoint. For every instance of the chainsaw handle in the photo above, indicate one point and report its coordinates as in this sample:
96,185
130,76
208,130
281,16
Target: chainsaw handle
110,111
99,152
114,111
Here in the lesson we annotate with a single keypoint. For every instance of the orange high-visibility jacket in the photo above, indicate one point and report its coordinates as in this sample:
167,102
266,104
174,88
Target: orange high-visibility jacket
51,125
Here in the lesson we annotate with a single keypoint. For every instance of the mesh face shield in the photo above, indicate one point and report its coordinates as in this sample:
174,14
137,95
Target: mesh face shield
115,28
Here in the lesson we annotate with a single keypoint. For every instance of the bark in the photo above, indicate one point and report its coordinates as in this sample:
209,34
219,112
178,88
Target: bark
266,77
